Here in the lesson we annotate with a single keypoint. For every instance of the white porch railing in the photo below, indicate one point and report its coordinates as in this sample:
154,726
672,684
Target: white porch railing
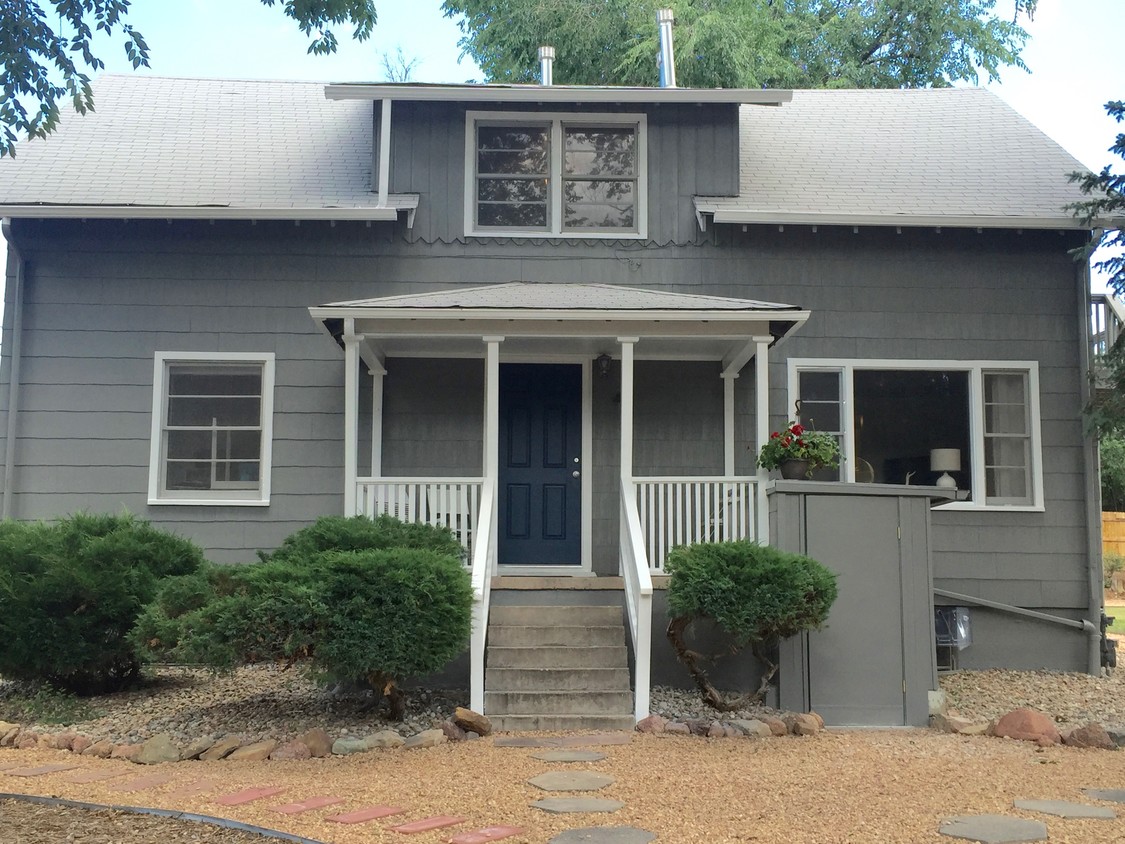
450,502
683,511
638,597
1107,321
483,562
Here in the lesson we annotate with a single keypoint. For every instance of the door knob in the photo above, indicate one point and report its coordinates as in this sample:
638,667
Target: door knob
575,474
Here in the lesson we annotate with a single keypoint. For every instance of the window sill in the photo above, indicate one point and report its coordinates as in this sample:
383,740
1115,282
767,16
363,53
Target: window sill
211,502
992,508
521,234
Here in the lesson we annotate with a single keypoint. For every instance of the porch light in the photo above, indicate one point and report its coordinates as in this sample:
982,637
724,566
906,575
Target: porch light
603,361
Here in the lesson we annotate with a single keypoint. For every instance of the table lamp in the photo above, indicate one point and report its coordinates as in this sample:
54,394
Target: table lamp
945,460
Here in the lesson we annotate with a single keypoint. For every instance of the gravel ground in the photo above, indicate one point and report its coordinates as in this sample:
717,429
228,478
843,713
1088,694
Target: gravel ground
840,786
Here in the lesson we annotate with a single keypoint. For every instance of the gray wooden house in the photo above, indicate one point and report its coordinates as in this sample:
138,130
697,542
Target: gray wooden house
561,321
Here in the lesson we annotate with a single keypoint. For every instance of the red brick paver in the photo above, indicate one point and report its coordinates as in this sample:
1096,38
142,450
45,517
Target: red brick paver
426,824
483,836
306,805
193,788
96,776
371,813
40,770
143,783
249,795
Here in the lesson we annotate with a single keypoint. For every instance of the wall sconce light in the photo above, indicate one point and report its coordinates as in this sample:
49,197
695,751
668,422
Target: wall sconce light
602,362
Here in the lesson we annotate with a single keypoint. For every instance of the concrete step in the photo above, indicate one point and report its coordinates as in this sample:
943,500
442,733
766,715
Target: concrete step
584,723
557,679
602,656
548,616
557,703
572,636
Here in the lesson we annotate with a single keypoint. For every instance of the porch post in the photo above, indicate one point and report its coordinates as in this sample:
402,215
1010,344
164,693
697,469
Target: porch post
377,422
762,428
627,405
351,415
728,423
492,418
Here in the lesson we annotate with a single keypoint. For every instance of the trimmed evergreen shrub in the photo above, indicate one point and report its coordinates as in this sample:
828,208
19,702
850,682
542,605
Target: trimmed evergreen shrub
376,615
756,594
359,533
71,591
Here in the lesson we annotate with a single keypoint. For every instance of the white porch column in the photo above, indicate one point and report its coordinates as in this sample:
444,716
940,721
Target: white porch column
492,415
351,415
762,427
384,152
627,344
728,422
377,422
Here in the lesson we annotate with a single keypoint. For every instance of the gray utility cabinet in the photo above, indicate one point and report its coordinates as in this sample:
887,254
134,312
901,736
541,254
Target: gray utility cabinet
874,661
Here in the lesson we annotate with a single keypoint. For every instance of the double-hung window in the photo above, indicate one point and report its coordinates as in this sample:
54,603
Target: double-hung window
913,422
212,424
555,175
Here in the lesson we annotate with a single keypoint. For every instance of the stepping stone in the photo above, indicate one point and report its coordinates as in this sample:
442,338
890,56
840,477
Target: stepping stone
306,805
143,783
577,805
95,776
7,766
41,770
571,781
483,836
596,740
371,813
426,824
523,741
1111,795
994,829
193,788
569,756
249,795
604,835
1066,809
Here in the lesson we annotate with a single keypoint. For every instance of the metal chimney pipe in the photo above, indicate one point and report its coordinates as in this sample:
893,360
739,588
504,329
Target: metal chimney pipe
666,58
546,65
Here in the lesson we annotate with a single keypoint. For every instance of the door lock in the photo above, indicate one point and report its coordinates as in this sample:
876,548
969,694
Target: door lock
576,474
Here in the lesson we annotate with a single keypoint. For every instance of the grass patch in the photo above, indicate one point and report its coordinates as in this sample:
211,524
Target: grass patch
1118,615
41,703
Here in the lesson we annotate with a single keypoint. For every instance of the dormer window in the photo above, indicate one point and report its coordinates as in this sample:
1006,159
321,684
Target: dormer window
555,175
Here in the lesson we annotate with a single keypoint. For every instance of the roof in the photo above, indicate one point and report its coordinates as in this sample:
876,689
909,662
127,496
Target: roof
952,156
235,148
553,296
416,92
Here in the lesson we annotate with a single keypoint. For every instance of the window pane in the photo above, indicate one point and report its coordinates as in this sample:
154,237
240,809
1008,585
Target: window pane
1007,484
236,472
512,190
526,162
512,215
193,380
222,411
1005,387
189,445
1010,452
529,139
820,386
600,152
188,475
1005,419
820,416
1007,438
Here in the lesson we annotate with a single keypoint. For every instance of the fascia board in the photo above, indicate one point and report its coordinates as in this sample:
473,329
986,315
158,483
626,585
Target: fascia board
554,94
756,217
533,315
179,212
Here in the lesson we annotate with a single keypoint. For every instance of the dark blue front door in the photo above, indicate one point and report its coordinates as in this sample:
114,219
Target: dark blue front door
540,468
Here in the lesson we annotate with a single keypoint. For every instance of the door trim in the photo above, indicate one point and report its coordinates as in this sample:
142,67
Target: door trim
586,495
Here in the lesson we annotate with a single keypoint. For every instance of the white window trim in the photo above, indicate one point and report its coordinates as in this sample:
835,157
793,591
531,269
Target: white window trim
556,120
976,370
159,407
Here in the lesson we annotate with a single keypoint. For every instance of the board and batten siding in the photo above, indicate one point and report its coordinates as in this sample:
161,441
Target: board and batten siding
102,297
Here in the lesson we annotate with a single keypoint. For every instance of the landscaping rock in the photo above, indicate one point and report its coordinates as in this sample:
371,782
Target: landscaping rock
776,725
426,738
752,727
26,741
63,741
348,746
256,752
1028,725
1091,735
819,720
677,728
8,733
100,749
126,751
804,724
221,749
197,748
291,751
698,727
317,741
467,720
716,730
957,724
45,741
158,749
383,739
452,731
652,724
80,744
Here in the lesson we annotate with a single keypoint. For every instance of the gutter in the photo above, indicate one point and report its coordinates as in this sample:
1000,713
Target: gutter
14,370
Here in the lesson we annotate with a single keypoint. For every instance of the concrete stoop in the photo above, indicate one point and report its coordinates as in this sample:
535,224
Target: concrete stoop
557,668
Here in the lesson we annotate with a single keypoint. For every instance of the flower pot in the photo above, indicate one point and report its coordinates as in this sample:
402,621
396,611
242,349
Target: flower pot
793,469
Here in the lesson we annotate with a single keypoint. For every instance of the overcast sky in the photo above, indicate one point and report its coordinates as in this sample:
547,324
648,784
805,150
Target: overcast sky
1075,55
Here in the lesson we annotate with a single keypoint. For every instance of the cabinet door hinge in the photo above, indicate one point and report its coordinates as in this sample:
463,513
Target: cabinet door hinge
900,532
904,687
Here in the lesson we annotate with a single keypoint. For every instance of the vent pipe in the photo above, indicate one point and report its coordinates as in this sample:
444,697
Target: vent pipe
546,65
666,59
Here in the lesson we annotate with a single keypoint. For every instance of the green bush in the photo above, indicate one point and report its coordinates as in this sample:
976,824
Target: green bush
377,615
359,533
1112,449
1111,564
71,591
755,594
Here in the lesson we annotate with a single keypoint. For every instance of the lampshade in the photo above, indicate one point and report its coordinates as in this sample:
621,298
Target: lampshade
945,460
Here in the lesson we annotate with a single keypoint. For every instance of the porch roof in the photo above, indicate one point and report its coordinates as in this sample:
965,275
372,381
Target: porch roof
539,318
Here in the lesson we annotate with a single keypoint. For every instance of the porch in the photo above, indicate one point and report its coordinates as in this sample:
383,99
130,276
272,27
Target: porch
563,485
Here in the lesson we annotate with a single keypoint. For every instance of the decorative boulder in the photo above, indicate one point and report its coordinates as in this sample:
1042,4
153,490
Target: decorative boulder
221,749
1091,735
959,725
158,749
467,720
426,738
317,741
1027,725
197,748
776,725
382,740
452,731
100,749
805,724
677,728
652,724
291,751
80,744
255,752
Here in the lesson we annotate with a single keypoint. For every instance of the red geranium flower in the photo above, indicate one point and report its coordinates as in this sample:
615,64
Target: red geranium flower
798,429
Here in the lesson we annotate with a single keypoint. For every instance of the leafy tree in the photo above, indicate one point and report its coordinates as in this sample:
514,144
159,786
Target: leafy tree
756,594
746,43
1113,473
1107,207
43,61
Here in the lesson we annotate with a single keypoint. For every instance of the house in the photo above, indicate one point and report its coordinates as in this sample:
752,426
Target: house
561,320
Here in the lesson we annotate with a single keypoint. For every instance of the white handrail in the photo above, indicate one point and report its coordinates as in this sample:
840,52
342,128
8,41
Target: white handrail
481,579
1107,322
638,596
449,502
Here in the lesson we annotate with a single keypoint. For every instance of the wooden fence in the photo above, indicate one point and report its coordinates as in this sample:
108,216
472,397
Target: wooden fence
1113,533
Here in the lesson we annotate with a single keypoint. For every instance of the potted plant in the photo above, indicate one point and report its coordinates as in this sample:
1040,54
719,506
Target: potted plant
797,451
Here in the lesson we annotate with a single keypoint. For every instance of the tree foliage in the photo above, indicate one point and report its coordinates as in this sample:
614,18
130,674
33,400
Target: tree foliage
46,51
756,594
746,43
1106,209
1112,450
